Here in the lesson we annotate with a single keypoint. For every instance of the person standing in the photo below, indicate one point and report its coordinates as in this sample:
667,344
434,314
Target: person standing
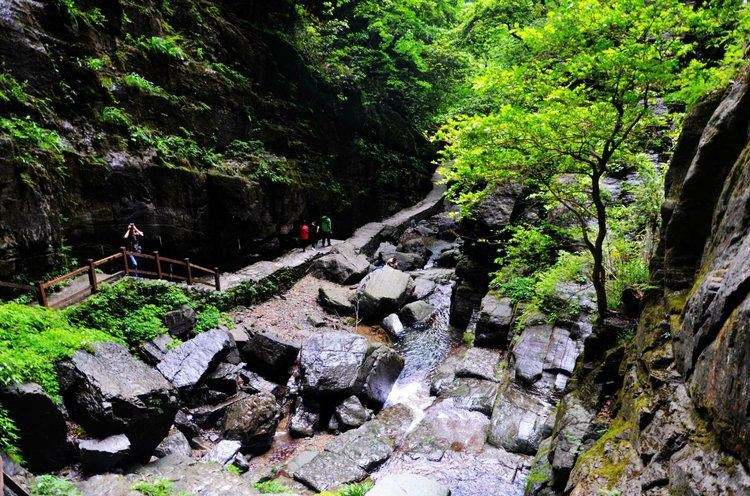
304,235
314,234
132,238
326,228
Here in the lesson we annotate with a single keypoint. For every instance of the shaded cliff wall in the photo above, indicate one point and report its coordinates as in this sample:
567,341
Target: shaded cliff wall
236,139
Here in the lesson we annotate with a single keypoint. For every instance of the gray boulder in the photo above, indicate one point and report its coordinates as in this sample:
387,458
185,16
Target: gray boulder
186,365
479,363
571,426
343,265
409,261
335,300
495,318
253,421
109,392
330,362
408,485
305,419
155,350
181,322
329,470
223,452
530,352
42,436
351,413
417,311
423,287
472,394
380,370
520,420
175,442
382,291
393,326
270,354
104,455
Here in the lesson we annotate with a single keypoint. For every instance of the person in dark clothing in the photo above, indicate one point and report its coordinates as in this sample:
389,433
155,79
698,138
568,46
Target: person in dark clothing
314,234
132,239
326,228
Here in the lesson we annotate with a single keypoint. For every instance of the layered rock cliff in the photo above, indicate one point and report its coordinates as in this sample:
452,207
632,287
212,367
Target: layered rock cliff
668,412
203,122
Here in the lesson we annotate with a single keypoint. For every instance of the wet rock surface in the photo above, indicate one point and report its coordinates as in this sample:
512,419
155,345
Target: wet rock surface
344,265
382,292
495,318
190,362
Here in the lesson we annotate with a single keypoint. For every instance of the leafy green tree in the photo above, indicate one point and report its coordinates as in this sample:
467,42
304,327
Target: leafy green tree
573,108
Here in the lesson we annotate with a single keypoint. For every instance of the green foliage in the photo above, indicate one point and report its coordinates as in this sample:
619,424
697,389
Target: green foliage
467,338
33,339
211,318
159,487
627,268
133,310
272,486
51,485
115,117
234,470
96,64
36,152
141,84
175,150
253,161
359,489
11,91
169,46
540,473
8,436
92,17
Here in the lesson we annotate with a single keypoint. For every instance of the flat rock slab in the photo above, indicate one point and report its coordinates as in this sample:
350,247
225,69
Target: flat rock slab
382,291
330,362
105,454
408,485
269,353
479,363
472,394
344,265
188,476
335,300
187,364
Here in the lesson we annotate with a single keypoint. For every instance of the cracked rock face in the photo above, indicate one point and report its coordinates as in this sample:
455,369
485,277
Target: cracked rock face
190,362
110,392
253,420
330,362
520,421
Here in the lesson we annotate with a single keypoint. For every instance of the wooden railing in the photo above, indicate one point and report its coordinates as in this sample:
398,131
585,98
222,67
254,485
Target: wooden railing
156,266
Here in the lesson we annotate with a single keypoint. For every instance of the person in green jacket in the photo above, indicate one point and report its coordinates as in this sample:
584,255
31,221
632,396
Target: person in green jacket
326,228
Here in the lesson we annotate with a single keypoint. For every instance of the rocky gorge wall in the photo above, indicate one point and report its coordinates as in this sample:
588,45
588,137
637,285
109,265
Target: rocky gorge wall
668,412
202,122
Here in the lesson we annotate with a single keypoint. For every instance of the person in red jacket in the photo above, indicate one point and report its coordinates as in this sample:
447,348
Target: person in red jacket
304,235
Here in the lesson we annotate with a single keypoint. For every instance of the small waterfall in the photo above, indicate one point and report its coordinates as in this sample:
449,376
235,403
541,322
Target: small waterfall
424,347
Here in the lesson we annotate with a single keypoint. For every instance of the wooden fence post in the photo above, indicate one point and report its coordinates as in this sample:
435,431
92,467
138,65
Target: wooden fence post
217,279
189,272
158,265
41,294
92,276
125,259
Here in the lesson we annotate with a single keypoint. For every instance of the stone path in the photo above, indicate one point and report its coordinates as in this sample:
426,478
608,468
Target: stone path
365,239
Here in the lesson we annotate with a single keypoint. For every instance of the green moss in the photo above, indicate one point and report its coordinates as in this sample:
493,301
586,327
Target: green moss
359,489
601,465
169,46
115,117
11,91
234,470
92,17
37,151
159,487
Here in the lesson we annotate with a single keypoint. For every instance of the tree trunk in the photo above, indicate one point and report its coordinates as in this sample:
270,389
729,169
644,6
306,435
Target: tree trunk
599,275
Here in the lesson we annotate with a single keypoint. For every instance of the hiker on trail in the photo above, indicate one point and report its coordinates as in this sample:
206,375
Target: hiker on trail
326,228
133,244
304,235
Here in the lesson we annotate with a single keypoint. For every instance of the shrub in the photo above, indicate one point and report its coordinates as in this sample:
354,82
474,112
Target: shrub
273,486
211,318
355,489
11,90
8,436
627,267
92,17
50,485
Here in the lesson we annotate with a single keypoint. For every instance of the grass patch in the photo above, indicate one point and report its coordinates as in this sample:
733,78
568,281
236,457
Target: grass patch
92,17
169,46
11,91
115,117
159,487
51,485
359,489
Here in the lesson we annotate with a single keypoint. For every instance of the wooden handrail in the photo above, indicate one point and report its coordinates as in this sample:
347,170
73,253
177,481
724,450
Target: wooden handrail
41,287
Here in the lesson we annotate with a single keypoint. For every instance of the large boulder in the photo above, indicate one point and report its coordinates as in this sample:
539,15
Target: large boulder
175,442
103,455
495,318
343,265
408,485
416,311
330,362
109,392
270,354
472,394
520,420
351,413
382,292
479,363
305,419
379,371
43,435
186,365
393,326
335,300
252,421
